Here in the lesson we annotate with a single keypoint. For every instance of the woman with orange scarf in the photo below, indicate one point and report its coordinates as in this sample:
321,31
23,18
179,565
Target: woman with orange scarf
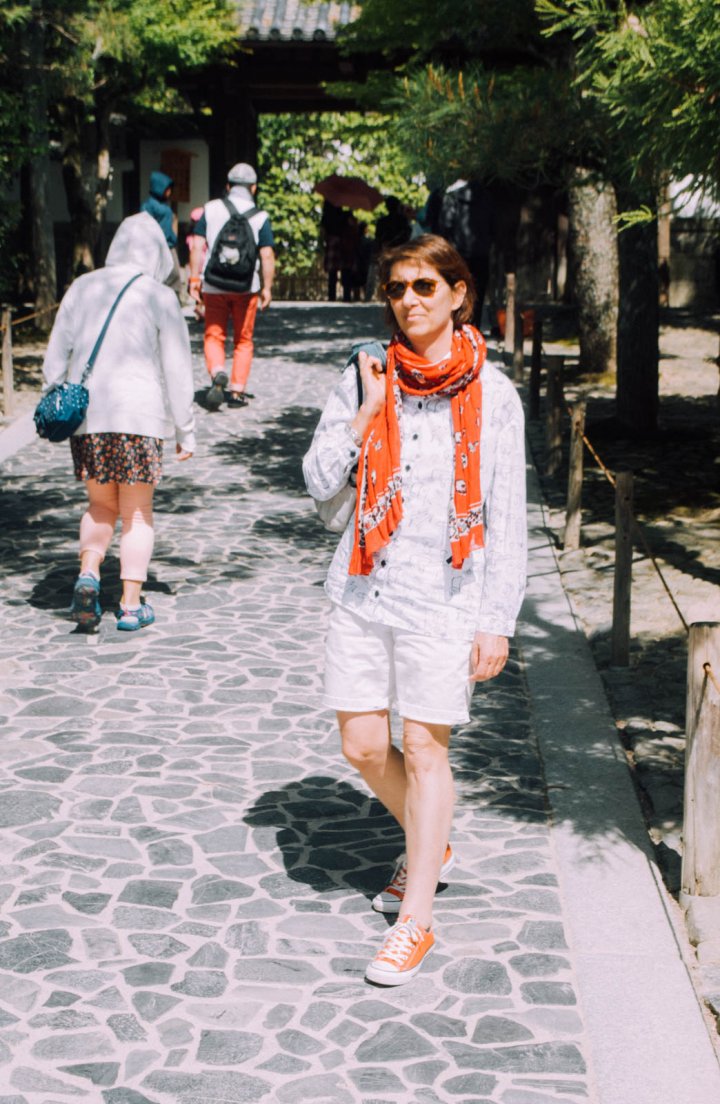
428,577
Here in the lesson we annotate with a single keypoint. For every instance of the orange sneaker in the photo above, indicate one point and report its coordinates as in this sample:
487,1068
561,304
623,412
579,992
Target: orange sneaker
391,898
402,954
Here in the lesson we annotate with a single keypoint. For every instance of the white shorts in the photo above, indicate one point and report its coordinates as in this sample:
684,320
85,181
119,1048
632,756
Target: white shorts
369,666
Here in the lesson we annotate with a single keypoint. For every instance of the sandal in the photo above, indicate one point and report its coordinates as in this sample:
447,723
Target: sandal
129,620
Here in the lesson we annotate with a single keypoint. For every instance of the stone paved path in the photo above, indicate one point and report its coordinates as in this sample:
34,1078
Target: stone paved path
187,862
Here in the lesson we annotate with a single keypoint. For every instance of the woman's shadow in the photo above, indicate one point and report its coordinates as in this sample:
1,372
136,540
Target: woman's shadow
332,837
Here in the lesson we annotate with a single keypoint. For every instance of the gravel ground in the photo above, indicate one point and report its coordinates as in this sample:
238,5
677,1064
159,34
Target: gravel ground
677,501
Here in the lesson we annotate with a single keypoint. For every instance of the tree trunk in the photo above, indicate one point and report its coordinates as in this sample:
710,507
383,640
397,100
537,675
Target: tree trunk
103,172
43,239
594,257
87,174
638,323
79,174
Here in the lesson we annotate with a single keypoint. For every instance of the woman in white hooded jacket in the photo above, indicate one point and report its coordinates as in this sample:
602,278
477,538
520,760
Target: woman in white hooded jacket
141,390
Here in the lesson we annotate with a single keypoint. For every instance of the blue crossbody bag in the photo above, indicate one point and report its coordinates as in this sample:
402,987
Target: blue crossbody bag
64,405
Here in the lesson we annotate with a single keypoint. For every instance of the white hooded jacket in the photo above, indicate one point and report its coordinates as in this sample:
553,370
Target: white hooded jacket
142,381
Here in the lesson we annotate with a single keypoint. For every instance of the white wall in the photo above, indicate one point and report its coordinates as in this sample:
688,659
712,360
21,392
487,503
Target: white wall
150,154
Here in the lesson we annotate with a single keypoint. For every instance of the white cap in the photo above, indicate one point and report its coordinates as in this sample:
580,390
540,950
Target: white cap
242,173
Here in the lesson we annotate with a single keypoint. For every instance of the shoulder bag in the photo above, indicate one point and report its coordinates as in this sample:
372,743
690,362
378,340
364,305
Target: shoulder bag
335,512
64,405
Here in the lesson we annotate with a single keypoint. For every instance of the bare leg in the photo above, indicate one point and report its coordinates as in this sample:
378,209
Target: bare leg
136,541
430,795
131,593
97,524
366,744
90,561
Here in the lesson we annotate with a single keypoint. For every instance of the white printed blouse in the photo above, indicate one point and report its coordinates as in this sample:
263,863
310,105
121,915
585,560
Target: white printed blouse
412,584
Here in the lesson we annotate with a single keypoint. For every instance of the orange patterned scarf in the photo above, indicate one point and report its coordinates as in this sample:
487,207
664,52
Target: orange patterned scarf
379,506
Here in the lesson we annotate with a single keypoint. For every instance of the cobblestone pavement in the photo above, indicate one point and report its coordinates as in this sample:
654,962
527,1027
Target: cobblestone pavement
188,862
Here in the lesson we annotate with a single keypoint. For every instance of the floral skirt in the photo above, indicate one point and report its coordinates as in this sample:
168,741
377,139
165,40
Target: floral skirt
117,457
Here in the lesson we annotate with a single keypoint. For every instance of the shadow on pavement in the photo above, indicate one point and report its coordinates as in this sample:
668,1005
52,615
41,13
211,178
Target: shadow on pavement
274,459
332,836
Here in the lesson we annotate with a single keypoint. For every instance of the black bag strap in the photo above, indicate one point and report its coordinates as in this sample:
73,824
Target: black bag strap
101,336
372,348
232,209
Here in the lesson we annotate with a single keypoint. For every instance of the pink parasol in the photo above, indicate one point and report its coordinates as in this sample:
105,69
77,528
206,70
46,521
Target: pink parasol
349,191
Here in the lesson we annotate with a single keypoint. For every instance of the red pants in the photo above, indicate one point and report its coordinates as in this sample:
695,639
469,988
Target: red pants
219,308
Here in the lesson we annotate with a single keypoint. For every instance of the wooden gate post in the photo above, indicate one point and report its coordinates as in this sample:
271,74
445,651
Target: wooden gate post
620,651
535,369
510,309
7,364
701,821
573,513
554,414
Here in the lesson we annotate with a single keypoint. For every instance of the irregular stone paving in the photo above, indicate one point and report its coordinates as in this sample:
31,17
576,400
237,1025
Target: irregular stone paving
187,860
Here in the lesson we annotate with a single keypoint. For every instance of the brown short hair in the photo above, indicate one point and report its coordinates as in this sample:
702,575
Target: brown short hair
432,250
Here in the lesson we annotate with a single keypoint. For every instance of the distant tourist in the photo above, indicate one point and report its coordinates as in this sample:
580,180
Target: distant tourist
232,266
332,224
141,390
428,577
394,228
159,206
465,215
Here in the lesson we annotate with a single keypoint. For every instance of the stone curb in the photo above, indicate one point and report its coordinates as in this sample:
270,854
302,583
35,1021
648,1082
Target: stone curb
647,1038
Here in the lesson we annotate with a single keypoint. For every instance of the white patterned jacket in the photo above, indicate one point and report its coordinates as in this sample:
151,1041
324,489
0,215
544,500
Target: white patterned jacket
412,584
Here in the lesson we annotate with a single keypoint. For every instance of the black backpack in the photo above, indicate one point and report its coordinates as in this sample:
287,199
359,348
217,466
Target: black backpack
466,219
231,264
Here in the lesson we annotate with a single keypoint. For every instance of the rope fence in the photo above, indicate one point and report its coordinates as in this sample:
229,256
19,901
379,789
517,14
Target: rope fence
28,317
7,324
556,407
701,806
637,527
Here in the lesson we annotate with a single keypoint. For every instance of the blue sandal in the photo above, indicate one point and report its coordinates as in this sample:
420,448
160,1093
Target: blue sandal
129,620
85,606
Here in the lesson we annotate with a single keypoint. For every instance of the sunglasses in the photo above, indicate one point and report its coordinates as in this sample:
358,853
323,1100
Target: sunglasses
395,289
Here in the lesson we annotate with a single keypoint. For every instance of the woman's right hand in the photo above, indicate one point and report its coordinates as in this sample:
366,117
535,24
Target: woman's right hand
374,386
374,379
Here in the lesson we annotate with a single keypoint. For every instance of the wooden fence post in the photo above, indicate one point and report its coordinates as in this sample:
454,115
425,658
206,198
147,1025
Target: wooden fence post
510,308
573,513
701,818
620,650
518,347
554,414
535,369
7,365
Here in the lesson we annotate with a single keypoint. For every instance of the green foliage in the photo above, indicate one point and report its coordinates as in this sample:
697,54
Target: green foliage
296,151
412,33
627,220
522,125
476,90
136,43
654,69
133,48
114,53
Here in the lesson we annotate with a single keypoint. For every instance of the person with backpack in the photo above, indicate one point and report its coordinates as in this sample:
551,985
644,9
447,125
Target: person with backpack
232,265
465,216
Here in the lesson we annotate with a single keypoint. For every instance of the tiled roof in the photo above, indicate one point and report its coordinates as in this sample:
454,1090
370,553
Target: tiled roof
292,20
